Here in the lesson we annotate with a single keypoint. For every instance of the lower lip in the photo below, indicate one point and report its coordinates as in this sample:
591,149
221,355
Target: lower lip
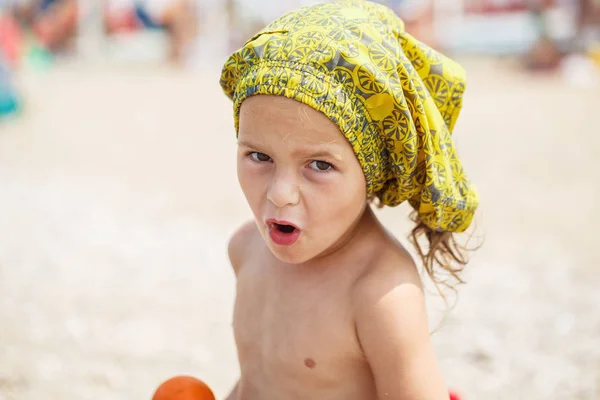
283,239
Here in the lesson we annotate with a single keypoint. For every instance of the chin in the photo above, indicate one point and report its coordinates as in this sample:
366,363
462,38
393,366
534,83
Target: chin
289,255
296,254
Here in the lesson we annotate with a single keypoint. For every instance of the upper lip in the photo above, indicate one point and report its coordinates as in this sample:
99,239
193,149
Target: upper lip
272,221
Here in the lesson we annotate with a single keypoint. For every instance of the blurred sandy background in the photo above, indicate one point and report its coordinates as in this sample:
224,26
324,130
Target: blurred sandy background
118,191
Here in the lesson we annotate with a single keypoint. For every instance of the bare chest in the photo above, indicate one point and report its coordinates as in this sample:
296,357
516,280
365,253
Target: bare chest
294,330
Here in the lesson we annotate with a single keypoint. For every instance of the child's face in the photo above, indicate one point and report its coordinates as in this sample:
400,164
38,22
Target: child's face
300,177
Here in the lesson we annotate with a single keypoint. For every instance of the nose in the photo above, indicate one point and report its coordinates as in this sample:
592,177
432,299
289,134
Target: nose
284,191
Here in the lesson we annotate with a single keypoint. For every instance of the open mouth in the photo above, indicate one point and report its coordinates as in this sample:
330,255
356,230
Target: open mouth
283,233
284,228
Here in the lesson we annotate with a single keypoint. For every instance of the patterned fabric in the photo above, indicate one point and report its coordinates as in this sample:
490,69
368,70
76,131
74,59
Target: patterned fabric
395,99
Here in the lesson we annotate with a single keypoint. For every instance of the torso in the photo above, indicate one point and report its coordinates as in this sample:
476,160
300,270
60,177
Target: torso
294,327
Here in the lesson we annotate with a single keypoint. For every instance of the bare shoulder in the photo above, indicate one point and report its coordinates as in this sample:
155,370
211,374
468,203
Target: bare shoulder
391,322
392,267
390,284
240,243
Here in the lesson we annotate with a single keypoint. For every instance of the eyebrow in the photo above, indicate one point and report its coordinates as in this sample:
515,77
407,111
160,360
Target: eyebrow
245,144
307,151
317,154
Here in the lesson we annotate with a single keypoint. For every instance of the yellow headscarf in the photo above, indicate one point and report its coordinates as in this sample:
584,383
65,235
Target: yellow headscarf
395,99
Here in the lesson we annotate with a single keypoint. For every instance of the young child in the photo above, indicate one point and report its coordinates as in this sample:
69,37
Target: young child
336,107
177,17
53,21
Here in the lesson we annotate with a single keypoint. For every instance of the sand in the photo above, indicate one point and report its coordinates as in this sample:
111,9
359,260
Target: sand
118,193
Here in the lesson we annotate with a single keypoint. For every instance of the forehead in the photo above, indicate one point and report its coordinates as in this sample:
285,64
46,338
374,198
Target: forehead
267,117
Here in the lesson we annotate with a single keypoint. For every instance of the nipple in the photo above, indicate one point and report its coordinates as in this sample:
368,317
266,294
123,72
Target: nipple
310,363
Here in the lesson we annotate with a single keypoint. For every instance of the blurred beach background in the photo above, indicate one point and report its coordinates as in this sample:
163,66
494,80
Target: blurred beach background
118,194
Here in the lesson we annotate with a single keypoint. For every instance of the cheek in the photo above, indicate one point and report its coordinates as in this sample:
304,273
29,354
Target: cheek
246,179
251,182
338,201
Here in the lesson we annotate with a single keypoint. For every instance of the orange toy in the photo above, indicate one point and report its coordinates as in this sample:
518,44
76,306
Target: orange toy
183,388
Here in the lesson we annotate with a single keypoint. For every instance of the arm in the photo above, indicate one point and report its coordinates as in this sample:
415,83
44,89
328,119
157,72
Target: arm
234,393
392,327
236,251
239,242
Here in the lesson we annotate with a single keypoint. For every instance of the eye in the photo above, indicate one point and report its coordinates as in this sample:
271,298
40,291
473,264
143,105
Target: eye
320,166
259,157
